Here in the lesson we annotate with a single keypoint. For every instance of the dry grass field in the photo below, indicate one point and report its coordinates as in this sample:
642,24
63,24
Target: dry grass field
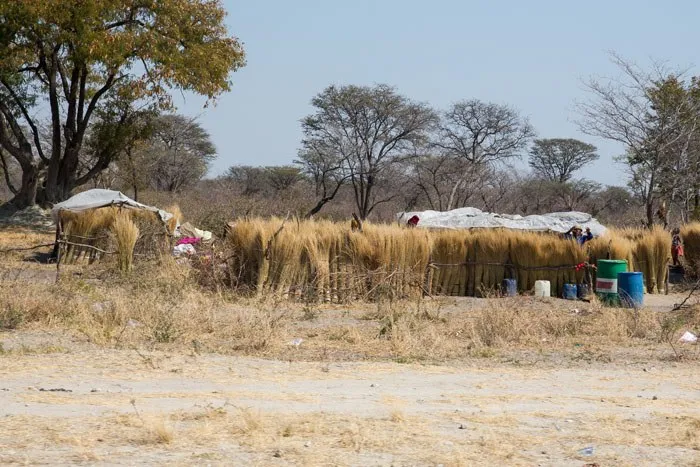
153,368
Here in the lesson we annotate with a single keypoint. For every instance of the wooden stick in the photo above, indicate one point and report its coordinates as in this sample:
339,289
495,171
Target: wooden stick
9,250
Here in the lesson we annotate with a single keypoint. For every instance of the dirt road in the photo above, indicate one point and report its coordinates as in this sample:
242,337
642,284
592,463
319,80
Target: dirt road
125,407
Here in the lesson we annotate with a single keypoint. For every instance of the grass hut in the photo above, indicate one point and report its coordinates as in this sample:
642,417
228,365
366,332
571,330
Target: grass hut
97,221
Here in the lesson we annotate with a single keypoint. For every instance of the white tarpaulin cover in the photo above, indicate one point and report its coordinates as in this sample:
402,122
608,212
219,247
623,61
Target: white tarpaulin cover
470,218
99,198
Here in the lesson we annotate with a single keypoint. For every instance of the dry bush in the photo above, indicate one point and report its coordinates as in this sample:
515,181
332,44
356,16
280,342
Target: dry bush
248,422
675,323
160,432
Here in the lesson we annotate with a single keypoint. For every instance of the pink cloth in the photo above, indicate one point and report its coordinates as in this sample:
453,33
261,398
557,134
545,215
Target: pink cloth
188,241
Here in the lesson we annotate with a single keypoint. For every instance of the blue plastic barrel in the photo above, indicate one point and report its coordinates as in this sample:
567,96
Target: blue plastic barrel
509,287
630,286
570,292
583,291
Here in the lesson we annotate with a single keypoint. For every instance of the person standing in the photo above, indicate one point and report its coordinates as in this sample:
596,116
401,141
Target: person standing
676,247
586,237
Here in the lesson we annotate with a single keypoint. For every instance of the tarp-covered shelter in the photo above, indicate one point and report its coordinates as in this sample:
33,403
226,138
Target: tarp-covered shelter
84,224
99,198
472,218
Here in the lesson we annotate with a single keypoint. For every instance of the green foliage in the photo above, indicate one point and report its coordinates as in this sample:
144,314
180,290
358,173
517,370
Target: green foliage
81,58
557,159
153,45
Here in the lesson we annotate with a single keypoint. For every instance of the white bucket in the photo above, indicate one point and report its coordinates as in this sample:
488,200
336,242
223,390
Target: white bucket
542,289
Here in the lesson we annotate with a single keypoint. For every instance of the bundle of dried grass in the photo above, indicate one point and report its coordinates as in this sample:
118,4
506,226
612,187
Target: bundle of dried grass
449,254
248,265
690,235
492,250
125,233
651,257
611,246
329,261
526,254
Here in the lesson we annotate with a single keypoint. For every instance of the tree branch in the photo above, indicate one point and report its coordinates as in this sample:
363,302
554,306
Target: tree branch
6,173
82,125
25,113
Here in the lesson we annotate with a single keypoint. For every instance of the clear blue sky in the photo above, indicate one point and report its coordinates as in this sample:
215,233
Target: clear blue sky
531,55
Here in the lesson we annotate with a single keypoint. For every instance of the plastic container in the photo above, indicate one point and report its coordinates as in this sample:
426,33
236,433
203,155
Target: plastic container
509,287
630,286
583,291
542,289
606,280
570,292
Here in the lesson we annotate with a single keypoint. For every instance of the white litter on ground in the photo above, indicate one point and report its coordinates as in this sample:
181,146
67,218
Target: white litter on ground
689,338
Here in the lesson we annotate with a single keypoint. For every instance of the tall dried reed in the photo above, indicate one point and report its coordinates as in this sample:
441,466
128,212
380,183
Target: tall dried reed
690,235
329,261
126,234
93,228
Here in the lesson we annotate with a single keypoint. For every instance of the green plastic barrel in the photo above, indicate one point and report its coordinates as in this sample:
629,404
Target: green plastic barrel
606,280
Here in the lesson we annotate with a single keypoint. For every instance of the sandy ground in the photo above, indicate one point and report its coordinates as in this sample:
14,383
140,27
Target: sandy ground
86,405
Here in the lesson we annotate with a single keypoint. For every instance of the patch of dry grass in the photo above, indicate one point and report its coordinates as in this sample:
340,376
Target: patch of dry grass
163,307
438,438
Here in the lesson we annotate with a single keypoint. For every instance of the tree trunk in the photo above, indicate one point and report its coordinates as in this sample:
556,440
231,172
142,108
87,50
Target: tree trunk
650,212
49,195
27,194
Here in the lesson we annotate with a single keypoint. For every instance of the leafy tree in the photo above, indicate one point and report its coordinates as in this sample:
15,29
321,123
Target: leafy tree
73,58
557,159
182,150
363,131
125,134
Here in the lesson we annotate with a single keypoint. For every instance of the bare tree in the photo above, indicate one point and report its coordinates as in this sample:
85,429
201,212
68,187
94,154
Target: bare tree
573,195
483,132
328,173
249,180
365,129
649,112
497,189
557,159
246,179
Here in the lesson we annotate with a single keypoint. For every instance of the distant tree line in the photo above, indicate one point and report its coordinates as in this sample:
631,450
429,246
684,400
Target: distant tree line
75,113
